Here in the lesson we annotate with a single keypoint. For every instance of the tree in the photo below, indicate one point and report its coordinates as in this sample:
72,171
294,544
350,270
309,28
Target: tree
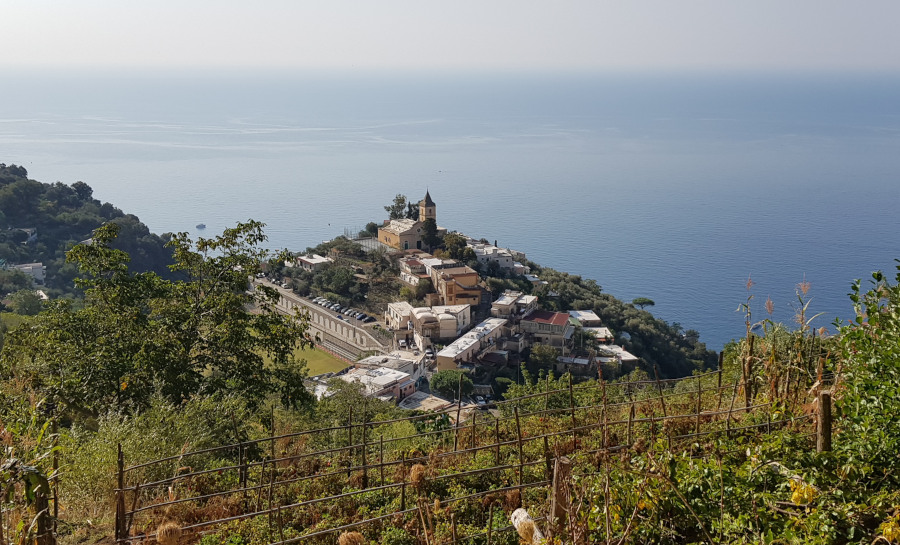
372,228
138,334
83,190
447,383
398,209
454,245
412,211
642,302
870,396
424,287
429,233
26,302
543,356
14,280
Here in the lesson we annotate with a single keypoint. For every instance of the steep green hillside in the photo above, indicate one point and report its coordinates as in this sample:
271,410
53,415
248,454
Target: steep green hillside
39,222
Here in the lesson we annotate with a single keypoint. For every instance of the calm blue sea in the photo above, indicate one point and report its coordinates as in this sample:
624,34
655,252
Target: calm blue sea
676,187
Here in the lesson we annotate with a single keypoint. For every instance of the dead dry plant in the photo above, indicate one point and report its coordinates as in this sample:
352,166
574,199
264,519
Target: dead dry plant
168,533
417,477
351,538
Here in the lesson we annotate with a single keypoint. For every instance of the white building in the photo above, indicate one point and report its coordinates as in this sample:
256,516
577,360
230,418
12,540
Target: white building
312,262
587,318
612,353
382,382
34,270
430,324
486,253
398,315
513,303
504,257
469,345
535,281
402,361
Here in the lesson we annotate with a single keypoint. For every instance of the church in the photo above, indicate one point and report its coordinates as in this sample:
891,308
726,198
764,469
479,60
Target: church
406,234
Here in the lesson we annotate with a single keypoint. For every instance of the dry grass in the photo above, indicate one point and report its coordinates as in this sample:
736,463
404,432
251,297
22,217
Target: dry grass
513,500
526,532
168,533
351,538
417,476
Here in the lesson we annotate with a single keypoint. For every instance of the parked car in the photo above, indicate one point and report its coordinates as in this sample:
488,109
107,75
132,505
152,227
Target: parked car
361,316
369,319
402,343
429,352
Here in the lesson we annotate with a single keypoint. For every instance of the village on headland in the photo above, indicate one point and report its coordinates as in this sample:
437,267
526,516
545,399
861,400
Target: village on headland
422,300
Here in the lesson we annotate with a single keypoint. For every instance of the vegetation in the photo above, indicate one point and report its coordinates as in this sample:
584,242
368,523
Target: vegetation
318,361
402,208
730,485
450,383
39,222
138,335
166,366
429,233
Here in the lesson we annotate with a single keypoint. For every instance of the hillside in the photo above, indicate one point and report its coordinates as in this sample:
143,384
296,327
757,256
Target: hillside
742,454
167,411
39,222
731,456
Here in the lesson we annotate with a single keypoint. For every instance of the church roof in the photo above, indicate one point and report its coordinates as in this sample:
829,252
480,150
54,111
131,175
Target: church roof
399,227
427,200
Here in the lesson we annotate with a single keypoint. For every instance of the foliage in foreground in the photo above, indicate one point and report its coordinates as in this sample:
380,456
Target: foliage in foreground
728,488
777,489
138,335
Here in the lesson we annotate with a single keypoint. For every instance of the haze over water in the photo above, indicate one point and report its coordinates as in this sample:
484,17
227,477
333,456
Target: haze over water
672,187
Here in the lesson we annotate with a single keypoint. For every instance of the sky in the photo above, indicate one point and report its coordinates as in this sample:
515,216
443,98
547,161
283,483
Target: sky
478,35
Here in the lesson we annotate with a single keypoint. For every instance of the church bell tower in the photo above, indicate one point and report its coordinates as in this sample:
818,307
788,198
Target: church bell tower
427,208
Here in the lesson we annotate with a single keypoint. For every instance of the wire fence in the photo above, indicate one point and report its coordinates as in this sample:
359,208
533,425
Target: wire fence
321,479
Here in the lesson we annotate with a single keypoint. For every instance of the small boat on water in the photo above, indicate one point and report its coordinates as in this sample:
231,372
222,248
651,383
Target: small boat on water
201,226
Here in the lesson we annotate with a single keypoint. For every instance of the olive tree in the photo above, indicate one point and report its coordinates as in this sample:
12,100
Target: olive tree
137,334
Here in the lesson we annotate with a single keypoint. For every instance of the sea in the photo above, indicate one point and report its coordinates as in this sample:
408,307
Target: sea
679,187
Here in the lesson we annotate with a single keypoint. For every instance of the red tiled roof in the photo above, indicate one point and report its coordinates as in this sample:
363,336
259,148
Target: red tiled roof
547,317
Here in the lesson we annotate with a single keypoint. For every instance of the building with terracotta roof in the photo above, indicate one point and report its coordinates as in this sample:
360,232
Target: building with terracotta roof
546,327
412,271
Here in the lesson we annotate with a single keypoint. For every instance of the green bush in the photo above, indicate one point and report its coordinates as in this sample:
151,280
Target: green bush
89,459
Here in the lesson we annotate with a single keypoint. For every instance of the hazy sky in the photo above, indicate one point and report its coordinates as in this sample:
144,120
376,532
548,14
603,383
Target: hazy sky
453,34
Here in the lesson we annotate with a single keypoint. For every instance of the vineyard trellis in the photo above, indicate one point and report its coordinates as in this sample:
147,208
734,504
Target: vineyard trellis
258,478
